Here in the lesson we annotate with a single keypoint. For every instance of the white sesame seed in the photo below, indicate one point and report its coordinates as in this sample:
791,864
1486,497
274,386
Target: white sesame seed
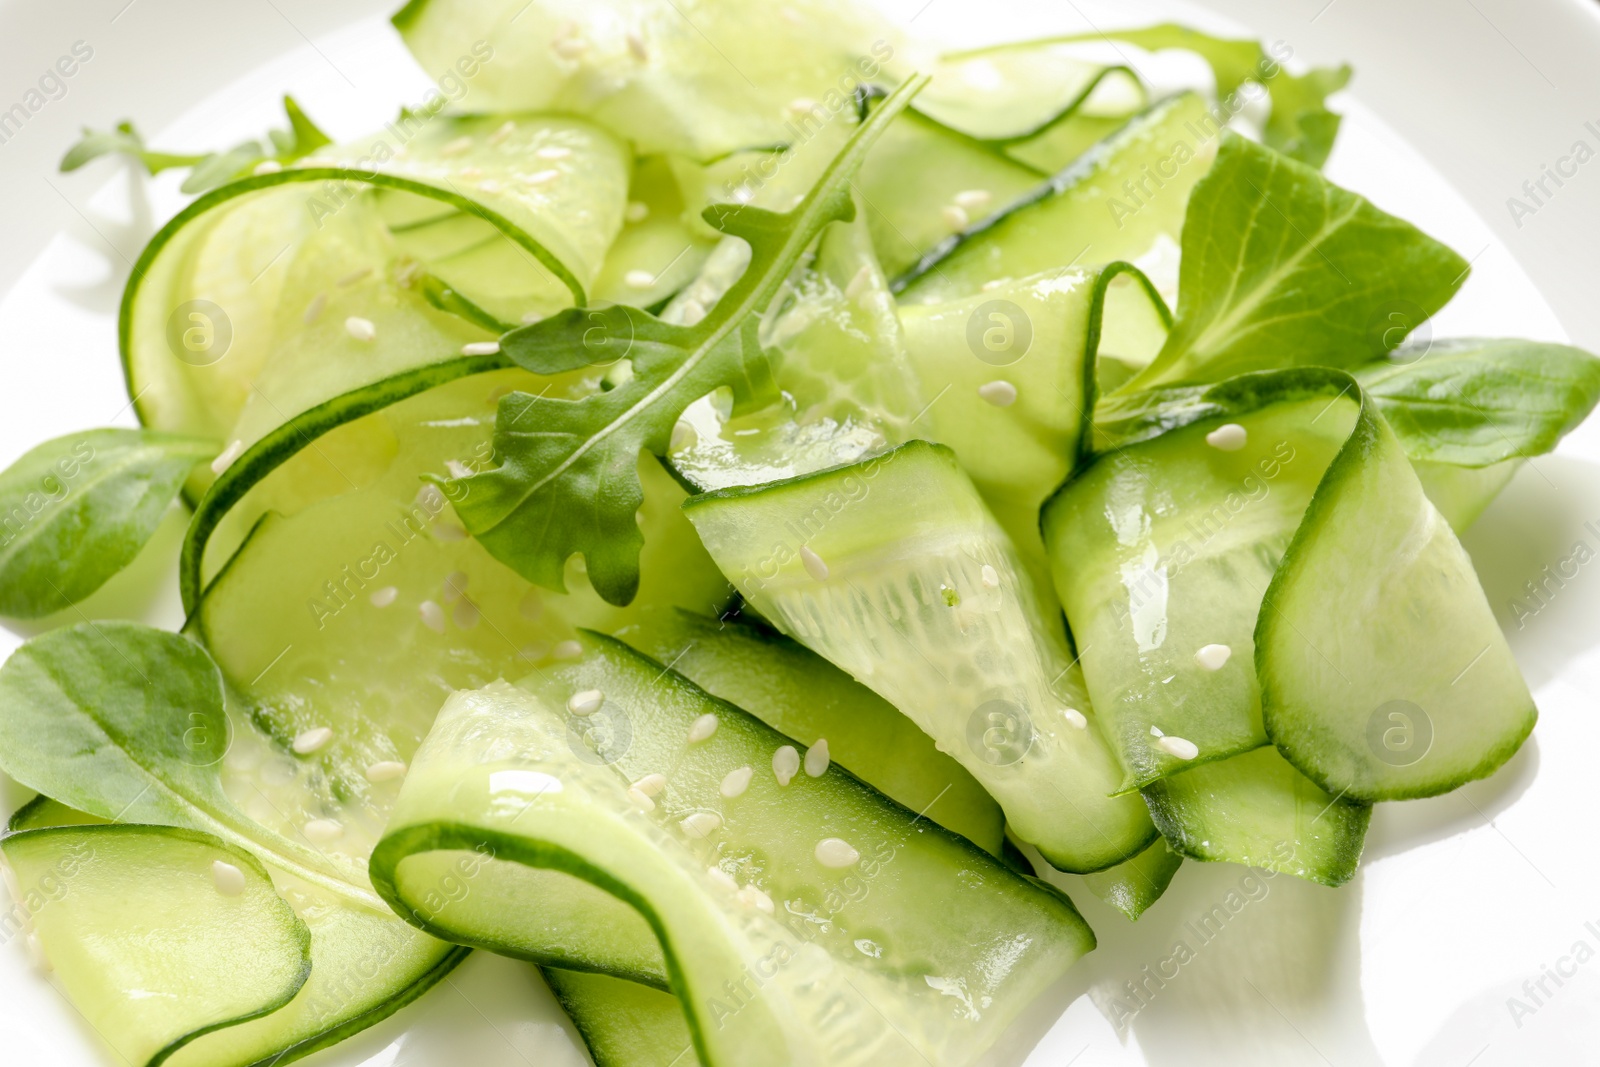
455,586
480,348
817,758
991,577
651,784
692,311
323,830
954,217
813,563
353,277
639,279
268,166
1179,747
314,309
586,701
737,781
382,598
785,763
636,211
703,727
1001,393
701,824
992,284
641,801
386,771
567,650
540,177
448,531
506,129
456,147
637,46
554,152
466,614
722,878
859,283
490,186
1228,438
432,616
457,469
226,457
1075,717
836,852
973,199
361,329
308,741
1212,657
531,317
755,898
801,106
228,878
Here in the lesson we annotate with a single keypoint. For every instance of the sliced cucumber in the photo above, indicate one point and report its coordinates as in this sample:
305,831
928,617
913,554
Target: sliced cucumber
655,242
146,927
1163,548
1257,810
798,693
1118,202
894,570
624,1024
539,780
1011,95
1135,884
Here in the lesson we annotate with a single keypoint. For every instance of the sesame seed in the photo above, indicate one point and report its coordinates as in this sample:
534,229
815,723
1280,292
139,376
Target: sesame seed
1001,393
801,106
639,279
636,211
992,284
693,311
456,147
466,614
448,531
361,329
1155,731
641,801
1228,438
859,283
785,762
722,878
308,741
954,217
703,727
228,878
836,852
314,309
480,348
432,616
637,46
386,771
586,701
457,469
817,758
268,166
813,563
226,457
382,598
755,898
490,186
737,781
991,577
323,830
567,650
506,129
554,152
1075,717
1179,747
651,784
1212,657
531,317
541,177
353,277
701,824
455,586
973,199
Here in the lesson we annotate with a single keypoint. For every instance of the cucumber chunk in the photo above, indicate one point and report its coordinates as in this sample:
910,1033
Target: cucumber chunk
798,693
1257,810
538,779
1135,884
146,927
895,571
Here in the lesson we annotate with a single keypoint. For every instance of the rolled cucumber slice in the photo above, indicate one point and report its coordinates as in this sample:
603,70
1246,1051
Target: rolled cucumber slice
798,693
731,877
895,571
624,1024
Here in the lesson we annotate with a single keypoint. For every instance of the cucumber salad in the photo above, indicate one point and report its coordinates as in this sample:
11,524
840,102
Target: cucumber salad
725,502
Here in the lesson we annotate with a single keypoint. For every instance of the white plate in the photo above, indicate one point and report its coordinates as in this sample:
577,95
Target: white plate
1460,901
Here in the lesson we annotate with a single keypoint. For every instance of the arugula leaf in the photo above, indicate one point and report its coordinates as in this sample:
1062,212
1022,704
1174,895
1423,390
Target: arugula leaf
1283,268
1475,402
568,479
208,169
128,723
76,510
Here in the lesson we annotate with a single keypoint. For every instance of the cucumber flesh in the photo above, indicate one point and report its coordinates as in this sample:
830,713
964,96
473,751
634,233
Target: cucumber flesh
1165,547
1011,94
914,590
143,940
1135,884
798,693
514,771
624,1024
1257,810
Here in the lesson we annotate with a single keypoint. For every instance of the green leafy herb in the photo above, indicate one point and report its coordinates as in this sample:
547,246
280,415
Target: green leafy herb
1477,402
76,510
208,169
1283,268
567,480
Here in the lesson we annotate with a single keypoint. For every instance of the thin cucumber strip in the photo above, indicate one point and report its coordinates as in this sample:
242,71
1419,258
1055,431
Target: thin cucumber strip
657,252
1164,548
146,926
895,571
1257,810
1135,884
798,693
624,1024
735,872
1120,201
